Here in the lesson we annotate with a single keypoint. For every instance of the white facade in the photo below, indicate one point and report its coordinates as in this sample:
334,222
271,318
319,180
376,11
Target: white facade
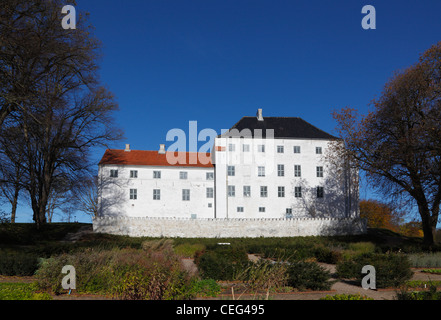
250,178
158,191
279,178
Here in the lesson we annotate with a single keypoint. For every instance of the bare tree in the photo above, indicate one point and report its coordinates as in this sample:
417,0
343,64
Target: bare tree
88,193
50,95
338,193
398,144
10,177
33,45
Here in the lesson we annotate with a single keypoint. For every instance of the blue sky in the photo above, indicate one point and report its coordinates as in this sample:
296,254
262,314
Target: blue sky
169,62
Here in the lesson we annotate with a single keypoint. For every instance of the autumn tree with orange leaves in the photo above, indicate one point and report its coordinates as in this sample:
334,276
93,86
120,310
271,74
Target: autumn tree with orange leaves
380,215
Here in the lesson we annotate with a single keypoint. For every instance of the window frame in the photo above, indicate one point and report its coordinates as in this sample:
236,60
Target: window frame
156,194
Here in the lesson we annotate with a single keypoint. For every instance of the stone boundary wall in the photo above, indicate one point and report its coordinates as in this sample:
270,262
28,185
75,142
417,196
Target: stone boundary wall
227,228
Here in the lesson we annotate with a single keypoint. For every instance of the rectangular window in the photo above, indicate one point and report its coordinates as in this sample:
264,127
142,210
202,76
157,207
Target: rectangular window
318,150
133,173
156,194
246,148
261,148
261,171
239,209
320,192
264,191
156,174
281,192
114,173
288,213
231,171
210,175
298,192
210,205
280,149
246,191
133,194
261,209
296,149
231,191
297,170
280,170
210,192
183,175
320,172
185,194
231,147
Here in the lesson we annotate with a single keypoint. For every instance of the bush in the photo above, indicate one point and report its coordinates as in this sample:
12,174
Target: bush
92,268
264,276
362,247
327,255
123,273
18,263
392,270
308,275
205,288
222,263
430,294
346,297
425,260
21,291
188,250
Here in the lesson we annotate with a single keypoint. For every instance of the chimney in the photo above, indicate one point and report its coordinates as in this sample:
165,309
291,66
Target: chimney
259,115
127,149
161,149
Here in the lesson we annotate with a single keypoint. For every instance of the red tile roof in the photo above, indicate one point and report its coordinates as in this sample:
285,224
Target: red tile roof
153,158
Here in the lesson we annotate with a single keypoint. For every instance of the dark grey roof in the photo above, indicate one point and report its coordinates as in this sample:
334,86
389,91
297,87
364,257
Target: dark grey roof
284,127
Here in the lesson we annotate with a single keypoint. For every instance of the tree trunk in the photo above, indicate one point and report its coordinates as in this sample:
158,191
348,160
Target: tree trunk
428,226
14,205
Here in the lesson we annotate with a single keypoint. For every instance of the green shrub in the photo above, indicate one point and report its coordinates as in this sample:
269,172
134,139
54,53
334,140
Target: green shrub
432,271
123,273
392,270
327,255
362,247
92,268
205,288
18,263
308,275
425,260
422,284
264,276
430,294
346,297
221,263
187,250
21,291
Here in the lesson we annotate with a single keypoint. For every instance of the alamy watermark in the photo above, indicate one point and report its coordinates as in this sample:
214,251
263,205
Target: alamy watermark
69,281
369,21
368,281
70,20
229,147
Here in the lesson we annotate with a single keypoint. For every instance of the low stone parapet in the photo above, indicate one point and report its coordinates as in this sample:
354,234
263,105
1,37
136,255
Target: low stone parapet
228,228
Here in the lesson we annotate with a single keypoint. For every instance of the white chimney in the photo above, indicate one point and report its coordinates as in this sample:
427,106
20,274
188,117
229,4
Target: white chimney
161,149
259,115
127,149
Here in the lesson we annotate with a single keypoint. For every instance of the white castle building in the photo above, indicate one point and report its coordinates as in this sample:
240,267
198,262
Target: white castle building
272,176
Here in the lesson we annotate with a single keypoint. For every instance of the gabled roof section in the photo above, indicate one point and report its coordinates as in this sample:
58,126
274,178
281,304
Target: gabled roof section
153,158
284,127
